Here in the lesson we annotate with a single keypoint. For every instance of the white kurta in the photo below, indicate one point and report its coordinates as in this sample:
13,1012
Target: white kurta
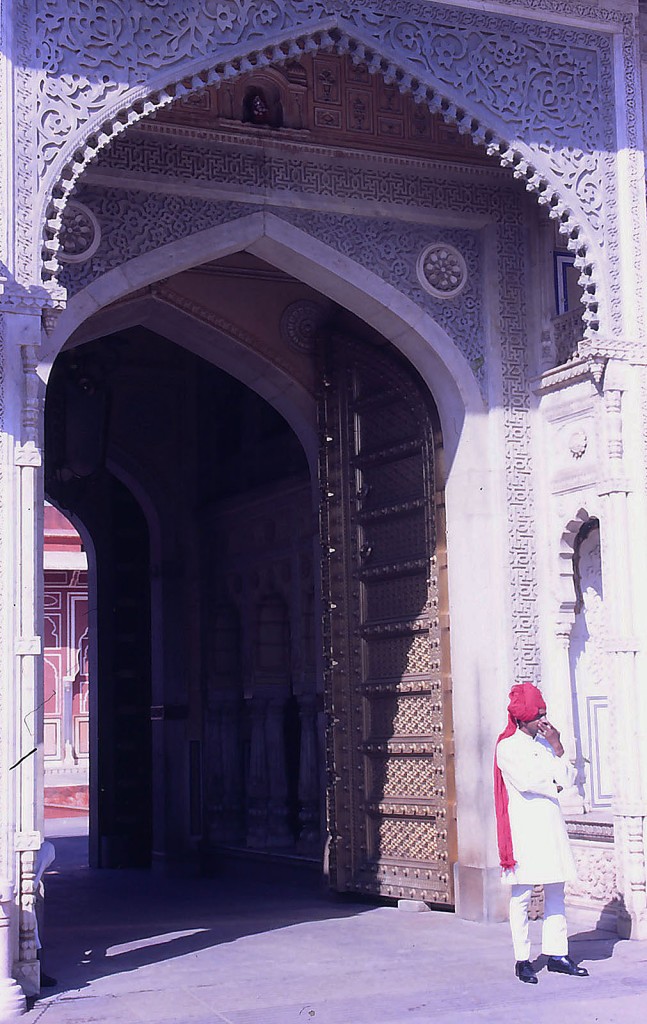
532,771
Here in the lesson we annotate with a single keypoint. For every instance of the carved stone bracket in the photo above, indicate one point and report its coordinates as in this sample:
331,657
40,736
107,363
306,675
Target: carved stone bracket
16,299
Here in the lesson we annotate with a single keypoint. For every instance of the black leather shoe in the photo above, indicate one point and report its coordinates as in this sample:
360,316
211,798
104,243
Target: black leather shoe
564,965
525,972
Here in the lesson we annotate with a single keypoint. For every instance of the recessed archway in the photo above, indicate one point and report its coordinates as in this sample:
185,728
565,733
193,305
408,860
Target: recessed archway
338,277
149,577
131,292
159,317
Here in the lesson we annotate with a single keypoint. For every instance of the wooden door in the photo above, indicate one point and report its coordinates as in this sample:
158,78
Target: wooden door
388,691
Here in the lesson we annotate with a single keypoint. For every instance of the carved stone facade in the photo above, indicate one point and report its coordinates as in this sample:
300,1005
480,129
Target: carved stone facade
477,86
239,182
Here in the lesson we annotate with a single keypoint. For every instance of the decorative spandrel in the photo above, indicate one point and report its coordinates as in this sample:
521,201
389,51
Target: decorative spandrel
390,798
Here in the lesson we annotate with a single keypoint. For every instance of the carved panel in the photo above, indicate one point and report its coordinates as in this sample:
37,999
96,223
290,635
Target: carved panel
519,484
384,424
406,715
489,67
398,777
596,882
388,707
398,537
392,597
408,839
333,102
389,657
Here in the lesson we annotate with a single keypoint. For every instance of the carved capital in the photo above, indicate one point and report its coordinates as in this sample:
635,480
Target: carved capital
28,645
50,318
28,455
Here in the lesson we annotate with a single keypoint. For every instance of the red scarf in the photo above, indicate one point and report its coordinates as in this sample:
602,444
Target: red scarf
525,702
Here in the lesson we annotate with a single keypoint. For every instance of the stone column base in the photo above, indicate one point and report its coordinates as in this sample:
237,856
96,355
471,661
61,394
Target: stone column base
12,999
27,973
479,894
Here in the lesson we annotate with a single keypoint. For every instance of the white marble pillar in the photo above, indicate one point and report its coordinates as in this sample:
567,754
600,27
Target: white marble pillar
70,759
21,500
29,463
630,800
561,711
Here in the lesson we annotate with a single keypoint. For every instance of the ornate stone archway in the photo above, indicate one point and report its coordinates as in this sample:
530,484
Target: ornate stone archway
540,102
491,75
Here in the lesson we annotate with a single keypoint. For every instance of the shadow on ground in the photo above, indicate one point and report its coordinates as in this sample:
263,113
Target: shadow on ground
104,922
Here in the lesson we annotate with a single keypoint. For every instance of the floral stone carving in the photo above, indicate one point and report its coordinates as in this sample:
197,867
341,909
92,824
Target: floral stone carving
441,270
80,234
300,323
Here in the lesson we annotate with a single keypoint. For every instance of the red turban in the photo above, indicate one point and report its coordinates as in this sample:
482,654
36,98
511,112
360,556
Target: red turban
525,703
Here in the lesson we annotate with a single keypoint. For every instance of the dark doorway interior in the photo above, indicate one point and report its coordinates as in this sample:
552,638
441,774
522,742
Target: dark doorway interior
205,714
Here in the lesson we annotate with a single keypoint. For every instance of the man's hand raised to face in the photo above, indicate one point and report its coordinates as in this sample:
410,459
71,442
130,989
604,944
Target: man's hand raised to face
551,735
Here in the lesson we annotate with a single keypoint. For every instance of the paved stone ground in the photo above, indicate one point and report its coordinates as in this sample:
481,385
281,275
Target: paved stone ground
267,946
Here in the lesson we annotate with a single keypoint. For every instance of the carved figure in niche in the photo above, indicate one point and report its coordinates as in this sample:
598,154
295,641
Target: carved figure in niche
260,109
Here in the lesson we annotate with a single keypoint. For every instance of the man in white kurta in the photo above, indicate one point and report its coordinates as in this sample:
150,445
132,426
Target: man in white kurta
533,767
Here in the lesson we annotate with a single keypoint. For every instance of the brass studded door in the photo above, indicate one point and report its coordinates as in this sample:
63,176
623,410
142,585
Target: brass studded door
388,691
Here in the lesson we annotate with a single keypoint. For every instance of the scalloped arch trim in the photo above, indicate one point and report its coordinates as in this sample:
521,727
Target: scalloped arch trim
517,156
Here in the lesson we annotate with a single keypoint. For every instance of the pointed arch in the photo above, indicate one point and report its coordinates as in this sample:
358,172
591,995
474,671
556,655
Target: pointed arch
311,261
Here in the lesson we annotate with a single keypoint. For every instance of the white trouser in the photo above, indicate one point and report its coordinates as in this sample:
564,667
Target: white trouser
554,937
